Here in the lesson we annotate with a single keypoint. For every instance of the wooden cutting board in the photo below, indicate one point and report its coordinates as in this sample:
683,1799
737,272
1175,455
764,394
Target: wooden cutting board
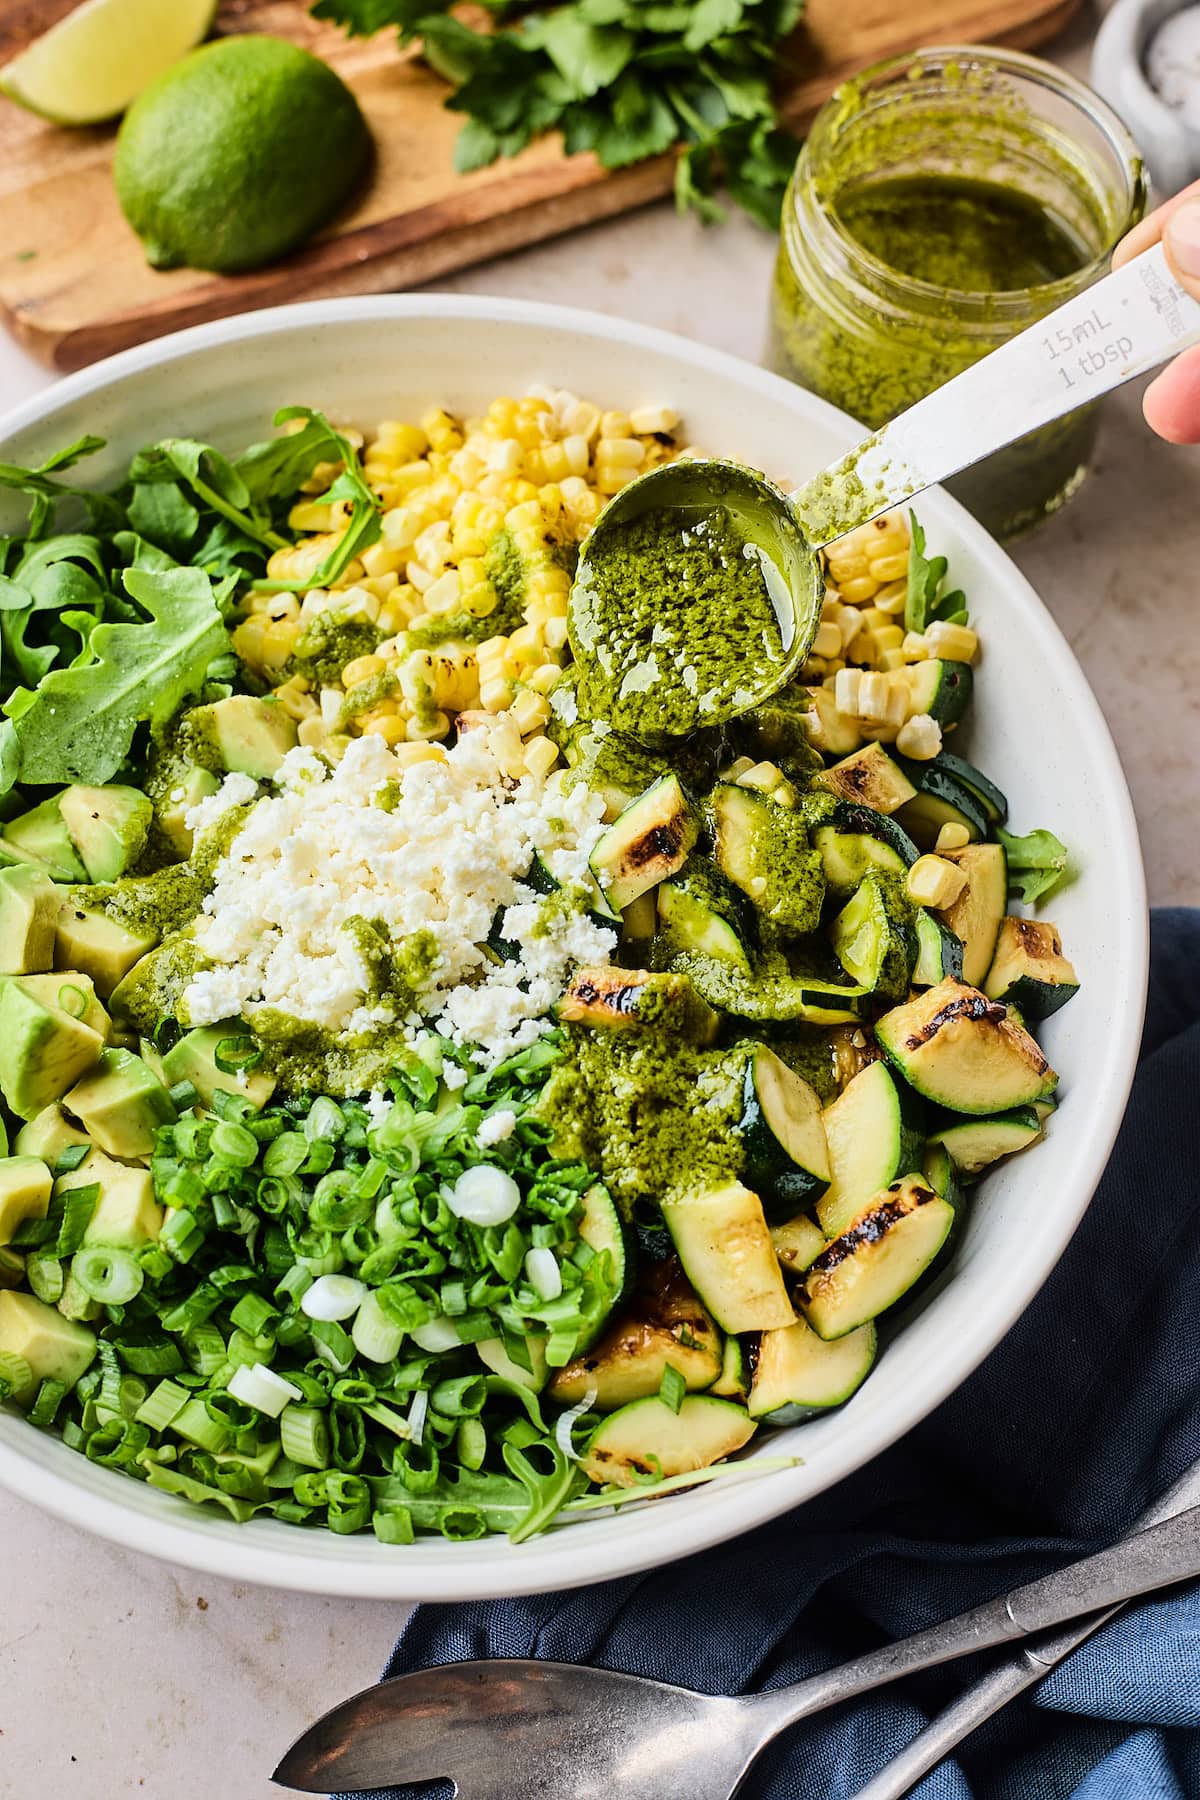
75,286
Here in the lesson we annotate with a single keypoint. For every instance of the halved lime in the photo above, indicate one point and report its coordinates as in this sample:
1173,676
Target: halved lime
91,64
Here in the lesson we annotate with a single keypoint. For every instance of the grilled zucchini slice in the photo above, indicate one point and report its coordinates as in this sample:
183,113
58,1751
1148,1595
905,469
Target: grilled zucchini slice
1029,969
874,936
798,1243
786,1158
650,840
699,909
941,688
611,999
647,1440
877,1259
940,800
763,849
873,1131
974,1144
962,1051
975,916
666,1324
870,778
726,1250
799,1374
939,950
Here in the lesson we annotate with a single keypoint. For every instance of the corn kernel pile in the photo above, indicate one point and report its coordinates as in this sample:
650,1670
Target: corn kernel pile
480,520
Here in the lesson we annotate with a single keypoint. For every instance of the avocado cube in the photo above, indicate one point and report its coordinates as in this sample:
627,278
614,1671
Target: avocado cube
121,1104
48,1135
43,835
56,1349
43,1050
96,945
249,736
28,909
194,1059
196,785
108,826
72,992
127,1215
25,1184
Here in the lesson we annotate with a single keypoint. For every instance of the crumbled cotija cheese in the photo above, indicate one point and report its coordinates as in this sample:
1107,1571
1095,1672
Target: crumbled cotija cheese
443,860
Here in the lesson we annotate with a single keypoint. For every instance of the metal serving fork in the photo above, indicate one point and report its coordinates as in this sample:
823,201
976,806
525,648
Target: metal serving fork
513,1729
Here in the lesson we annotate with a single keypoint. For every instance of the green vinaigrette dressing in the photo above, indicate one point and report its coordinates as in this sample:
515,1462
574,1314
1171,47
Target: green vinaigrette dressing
955,232
681,622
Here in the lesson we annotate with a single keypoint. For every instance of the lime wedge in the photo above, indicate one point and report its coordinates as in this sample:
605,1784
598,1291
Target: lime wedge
91,64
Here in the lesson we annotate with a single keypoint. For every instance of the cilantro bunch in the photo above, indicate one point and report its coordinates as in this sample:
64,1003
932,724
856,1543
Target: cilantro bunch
627,79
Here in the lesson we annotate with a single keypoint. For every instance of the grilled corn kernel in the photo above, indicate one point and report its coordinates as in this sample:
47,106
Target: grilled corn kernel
890,567
915,647
408,754
919,737
890,659
540,756
311,732
651,421
957,643
952,836
888,637
494,696
828,641
891,599
363,668
530,710
932,881
390,728
873,690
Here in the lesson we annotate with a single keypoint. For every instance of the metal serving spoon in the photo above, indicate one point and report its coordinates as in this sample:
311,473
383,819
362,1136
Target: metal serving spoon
1122,327
515,1729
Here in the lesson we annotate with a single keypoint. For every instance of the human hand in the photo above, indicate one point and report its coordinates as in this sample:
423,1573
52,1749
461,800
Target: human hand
1172,401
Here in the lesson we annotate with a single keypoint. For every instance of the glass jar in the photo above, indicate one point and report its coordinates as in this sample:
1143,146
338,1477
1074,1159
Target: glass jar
990,128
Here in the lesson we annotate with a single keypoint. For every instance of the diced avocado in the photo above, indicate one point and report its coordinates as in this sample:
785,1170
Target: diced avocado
194,1059
666,1325
647,1440
97,945
870,777
613,999
121,1104
652,838
171,812
1029,969
56,1349
961,1049
43,1050
28,909
108,826
156,982
43,835
72,992
127,1215
763,849
48,1135
249,736
25,1184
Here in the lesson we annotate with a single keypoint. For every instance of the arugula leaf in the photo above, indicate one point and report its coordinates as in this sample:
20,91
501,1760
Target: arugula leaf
364,527
1037,863
624,79
924,601
79,724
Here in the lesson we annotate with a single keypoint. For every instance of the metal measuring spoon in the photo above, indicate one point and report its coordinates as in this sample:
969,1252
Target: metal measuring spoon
1125,325
521,1729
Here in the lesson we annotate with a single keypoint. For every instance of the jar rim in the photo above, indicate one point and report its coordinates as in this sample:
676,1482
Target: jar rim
1016,63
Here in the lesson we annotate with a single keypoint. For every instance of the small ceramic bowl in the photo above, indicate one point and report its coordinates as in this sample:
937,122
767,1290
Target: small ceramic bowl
1169,144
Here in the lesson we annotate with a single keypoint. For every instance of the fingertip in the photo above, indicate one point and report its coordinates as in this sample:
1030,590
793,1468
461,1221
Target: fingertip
1171,404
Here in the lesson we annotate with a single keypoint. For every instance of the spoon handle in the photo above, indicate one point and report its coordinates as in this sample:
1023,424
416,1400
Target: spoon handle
1141,1564
969,1710
1123,326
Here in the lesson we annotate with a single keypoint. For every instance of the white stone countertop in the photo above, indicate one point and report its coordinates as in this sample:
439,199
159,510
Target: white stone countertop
120,1676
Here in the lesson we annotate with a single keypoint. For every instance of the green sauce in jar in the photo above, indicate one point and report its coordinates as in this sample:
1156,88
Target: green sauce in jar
942,203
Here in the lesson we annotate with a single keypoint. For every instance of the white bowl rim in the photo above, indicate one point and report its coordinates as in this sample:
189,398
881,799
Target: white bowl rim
319,1563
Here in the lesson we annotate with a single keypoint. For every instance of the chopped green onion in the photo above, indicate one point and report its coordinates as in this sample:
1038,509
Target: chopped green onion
325,1120
107,1274
234,1054
69,1159
16,1376
253,1314
304,1435
393,1525
46,1277
72,1000
376,1336
672,1388
195,1423
163,1405
50,1396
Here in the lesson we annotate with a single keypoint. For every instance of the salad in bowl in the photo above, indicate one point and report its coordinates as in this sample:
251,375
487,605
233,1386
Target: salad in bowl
431,1109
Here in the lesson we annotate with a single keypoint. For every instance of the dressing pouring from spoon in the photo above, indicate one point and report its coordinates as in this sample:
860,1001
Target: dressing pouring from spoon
699,588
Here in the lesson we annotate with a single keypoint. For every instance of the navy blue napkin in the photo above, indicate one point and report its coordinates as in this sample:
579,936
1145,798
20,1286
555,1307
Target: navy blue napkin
1087,1410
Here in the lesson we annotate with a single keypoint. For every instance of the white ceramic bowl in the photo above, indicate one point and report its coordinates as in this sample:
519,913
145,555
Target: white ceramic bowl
1037,729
